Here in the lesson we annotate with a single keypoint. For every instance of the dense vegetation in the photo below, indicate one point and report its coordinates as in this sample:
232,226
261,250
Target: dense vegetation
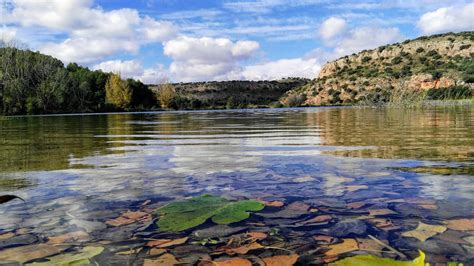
442,66
33,83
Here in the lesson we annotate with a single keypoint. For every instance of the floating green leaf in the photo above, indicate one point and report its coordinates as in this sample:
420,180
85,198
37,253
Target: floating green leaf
76,259
369,260
179,216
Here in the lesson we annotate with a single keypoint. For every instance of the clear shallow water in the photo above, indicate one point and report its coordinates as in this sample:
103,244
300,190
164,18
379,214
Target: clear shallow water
76,172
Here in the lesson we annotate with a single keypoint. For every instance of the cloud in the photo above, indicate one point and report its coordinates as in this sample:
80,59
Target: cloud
295,67
7,34
207,58
88,50
453,18
191,14
158,31
133,69
126,68
332,27
258,6
266,6
92,33
362,38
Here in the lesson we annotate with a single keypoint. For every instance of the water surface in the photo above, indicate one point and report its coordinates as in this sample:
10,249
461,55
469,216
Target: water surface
76,172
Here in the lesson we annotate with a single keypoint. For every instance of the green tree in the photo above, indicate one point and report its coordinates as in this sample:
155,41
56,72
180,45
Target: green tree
142,96
118,92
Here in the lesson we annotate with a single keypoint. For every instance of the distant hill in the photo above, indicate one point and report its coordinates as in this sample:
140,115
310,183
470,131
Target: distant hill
232,94
426,63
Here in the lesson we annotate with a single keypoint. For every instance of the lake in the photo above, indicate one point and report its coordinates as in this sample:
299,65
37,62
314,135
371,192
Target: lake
327,175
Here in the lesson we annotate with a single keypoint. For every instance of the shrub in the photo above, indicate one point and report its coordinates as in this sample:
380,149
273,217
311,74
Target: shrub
464,46
432,53
405,71
454,93
420,50
366,59
388,70
436,74
396,60
295,100
231,104
405,54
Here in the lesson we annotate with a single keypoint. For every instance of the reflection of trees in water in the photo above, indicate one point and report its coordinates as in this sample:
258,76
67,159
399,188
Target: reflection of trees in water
48,143
8,183
213,141
430,134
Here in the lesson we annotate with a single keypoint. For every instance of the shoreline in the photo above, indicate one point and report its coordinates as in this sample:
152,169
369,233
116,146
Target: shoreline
429,103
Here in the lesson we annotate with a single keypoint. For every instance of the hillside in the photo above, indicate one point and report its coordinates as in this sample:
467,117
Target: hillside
431,63
231,94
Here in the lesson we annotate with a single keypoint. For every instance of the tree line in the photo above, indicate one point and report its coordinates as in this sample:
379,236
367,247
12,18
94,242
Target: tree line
33,83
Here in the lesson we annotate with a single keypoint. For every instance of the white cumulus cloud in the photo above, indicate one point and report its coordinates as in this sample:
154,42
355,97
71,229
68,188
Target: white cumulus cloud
332,27
366,38
92,33
7,34
133,69
127,68
207,58
452,18
294,67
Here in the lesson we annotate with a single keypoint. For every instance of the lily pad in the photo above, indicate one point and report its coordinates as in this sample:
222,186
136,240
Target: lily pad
179,216
369,260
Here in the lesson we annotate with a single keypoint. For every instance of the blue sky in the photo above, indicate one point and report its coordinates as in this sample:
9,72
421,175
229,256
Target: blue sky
192,40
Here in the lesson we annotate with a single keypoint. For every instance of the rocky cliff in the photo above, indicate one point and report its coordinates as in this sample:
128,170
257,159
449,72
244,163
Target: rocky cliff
426,63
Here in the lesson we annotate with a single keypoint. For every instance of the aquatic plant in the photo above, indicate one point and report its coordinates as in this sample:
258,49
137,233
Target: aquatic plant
182,215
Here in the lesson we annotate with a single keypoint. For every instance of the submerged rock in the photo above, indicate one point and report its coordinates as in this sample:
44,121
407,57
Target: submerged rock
347,227
218,231
20,240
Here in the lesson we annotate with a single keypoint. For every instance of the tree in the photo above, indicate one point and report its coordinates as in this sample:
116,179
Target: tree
117,92
142,96
165,94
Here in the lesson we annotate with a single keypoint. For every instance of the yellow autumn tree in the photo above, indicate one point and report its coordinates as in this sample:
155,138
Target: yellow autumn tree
117,92
165,94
